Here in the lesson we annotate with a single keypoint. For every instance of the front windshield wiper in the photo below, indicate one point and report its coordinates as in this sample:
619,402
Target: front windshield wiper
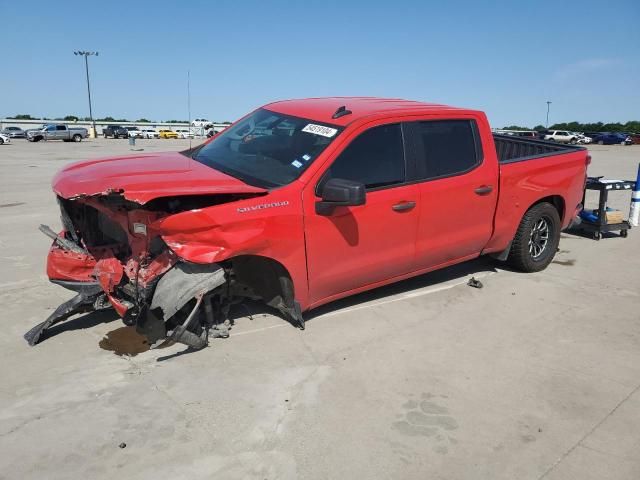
191,152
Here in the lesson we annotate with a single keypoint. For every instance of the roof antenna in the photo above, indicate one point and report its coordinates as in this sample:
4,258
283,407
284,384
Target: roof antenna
341,112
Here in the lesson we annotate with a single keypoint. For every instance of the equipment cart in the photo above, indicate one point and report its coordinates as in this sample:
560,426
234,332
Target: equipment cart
600,225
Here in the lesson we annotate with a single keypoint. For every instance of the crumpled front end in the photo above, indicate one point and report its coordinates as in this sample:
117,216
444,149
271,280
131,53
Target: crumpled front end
112,254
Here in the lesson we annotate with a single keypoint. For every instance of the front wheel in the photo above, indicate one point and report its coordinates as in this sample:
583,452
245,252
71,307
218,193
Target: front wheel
600,142
536,240
1,141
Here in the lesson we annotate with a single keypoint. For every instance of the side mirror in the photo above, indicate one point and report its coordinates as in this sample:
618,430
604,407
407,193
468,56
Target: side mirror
338,192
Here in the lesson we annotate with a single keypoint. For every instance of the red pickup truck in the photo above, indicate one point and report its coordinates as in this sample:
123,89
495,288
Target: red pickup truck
299,203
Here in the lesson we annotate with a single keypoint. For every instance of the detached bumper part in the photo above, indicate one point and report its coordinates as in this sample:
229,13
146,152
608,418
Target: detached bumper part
82,302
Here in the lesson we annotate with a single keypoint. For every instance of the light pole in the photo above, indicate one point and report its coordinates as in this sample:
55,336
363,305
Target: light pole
548,104
86,54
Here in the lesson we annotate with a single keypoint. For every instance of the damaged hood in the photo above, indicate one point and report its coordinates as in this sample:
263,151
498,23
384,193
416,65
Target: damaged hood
142,178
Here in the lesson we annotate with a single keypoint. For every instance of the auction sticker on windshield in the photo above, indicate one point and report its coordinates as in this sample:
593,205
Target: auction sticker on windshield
320,130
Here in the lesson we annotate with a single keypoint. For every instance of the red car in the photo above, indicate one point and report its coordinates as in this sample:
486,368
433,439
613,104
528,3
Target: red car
300,203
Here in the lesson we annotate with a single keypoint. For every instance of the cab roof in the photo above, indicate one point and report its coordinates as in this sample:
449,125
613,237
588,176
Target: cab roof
323,109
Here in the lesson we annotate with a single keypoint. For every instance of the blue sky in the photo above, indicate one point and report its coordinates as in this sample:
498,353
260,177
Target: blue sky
506,58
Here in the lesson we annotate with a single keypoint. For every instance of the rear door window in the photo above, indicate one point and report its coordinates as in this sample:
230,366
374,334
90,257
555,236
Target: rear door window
443,148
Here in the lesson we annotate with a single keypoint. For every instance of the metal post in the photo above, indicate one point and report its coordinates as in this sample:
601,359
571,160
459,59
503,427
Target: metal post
547,124
86,67
86,55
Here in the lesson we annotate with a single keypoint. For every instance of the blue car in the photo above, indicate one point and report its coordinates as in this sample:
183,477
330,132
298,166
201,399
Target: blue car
612,139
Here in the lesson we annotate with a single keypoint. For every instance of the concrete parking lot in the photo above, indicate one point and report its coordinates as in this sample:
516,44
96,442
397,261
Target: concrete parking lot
533,376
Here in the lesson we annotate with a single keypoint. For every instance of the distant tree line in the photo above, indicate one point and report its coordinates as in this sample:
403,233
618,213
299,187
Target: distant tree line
74,118
632,126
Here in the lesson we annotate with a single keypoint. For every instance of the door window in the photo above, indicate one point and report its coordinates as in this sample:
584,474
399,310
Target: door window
445,148
375,158
60,127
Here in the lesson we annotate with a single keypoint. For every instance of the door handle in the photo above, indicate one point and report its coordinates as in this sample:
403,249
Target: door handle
402,206
484,190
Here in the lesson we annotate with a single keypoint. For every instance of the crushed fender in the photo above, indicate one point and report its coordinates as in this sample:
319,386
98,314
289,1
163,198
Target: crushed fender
112,253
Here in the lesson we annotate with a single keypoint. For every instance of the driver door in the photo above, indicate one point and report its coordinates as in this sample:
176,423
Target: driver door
355,247
50,132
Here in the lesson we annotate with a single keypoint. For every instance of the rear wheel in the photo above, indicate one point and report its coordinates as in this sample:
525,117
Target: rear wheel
536,240
600,142
1,141
77,138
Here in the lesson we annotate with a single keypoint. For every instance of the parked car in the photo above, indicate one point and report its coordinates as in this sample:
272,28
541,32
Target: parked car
115,131
200,122
541,134
561,136
134,132
150,133
185,133
635,138
168,134
14,132
57,132
300,203
4,139
582,138
613,138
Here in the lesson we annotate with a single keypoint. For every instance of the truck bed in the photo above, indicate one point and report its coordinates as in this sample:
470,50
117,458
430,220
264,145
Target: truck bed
531,170
516,149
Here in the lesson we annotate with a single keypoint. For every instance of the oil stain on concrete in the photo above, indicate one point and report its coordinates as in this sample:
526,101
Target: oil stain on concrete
124,341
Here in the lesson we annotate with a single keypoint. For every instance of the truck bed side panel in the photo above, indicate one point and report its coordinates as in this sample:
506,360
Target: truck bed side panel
524,183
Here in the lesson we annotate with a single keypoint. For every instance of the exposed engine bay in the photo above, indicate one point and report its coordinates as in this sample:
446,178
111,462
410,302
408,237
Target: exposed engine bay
112,253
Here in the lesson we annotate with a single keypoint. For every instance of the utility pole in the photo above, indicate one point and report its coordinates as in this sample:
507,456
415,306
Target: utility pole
189,105
548,104
87,54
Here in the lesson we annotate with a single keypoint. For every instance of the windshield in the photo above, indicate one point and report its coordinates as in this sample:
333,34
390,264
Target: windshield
267,149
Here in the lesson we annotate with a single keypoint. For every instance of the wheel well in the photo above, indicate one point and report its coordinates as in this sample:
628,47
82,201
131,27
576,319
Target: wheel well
555,200
268,279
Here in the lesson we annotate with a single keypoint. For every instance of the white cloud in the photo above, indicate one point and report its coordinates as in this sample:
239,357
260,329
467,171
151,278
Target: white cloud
585,67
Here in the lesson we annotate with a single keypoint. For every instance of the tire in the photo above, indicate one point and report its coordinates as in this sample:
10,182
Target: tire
600,142
77,138
573,141
532,249
1,141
